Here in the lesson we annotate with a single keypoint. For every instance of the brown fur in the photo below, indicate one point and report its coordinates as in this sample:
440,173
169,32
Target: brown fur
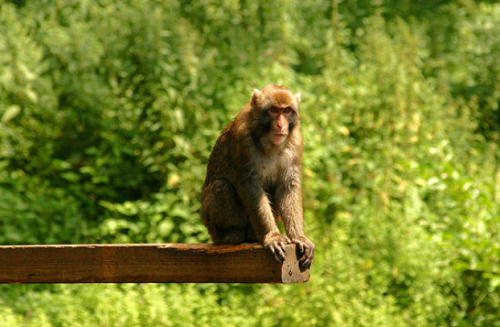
253,181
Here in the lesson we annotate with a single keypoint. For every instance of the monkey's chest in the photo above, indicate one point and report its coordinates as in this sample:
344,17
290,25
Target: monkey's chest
272,169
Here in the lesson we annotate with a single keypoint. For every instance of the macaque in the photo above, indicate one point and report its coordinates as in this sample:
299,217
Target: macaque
253,177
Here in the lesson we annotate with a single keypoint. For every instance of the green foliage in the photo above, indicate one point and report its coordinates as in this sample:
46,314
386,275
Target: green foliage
109,111
477,68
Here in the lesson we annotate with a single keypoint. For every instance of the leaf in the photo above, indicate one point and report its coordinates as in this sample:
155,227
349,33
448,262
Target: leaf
344,130
11,113
70,176
31,95
165,228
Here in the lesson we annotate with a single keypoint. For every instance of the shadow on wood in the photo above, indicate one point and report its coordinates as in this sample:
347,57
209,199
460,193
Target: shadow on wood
147,263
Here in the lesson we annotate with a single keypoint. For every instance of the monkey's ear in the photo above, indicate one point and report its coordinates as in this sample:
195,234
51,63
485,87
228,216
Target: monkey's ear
298,96
255,96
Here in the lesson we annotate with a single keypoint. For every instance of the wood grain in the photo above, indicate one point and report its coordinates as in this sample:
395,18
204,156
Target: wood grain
146,263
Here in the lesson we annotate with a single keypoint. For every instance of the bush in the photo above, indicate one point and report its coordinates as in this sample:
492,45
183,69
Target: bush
109,111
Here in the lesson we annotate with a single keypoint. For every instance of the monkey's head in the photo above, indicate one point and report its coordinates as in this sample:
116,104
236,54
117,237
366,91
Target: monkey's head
276,109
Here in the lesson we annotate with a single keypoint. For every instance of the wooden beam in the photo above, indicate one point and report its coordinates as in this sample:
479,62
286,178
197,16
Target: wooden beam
147,263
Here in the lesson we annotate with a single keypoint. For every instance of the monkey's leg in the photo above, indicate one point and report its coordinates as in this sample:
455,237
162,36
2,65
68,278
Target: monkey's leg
224,215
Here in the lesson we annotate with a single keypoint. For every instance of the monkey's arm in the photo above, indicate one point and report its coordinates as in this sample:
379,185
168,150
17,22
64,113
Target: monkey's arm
258,207
289,207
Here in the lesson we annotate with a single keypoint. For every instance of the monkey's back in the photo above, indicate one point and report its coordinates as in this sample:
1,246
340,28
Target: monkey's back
221,164
222,209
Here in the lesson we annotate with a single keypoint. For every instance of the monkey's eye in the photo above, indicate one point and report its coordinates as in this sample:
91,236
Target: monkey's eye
273,110
287,111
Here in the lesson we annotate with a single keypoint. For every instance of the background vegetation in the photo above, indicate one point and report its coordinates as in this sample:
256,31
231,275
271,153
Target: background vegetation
109,110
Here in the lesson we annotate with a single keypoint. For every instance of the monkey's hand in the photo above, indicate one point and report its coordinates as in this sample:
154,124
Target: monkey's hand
305,251
275,242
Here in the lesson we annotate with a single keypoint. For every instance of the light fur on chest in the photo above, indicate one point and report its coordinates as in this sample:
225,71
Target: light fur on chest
273,165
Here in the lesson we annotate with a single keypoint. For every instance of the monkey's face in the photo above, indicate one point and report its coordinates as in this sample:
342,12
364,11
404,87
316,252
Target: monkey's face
278,109
280,124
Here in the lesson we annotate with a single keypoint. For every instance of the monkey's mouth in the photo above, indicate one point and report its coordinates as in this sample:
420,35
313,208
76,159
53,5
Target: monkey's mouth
278,138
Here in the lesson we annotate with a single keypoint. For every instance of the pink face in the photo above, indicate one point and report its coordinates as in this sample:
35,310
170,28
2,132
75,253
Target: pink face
280,124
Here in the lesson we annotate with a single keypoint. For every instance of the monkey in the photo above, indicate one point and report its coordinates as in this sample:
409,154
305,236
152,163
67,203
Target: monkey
253,177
